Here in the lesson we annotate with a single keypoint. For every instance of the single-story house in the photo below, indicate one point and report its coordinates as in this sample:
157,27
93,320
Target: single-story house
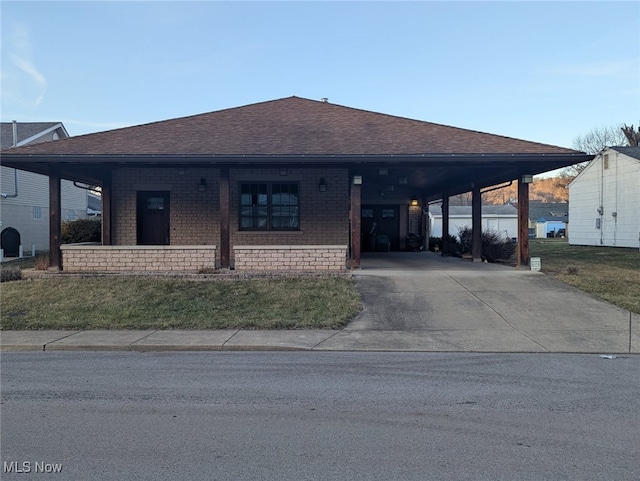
24,199
548,219
604,200
281,184
501,219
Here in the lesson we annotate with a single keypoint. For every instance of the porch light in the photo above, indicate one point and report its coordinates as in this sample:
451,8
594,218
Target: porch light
357,180
202,186
527,178
414,201
322,187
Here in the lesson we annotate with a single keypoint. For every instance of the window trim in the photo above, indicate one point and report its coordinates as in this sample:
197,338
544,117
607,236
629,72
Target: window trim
269,224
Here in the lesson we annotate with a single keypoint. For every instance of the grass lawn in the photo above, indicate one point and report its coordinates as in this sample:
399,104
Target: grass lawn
610,273
134,303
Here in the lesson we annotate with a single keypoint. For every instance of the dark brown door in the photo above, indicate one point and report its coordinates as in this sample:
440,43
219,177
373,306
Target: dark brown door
380,220
153,218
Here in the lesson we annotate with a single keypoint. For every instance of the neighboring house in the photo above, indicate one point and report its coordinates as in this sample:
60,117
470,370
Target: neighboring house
502,219
25,216
604,200
548,219
285,184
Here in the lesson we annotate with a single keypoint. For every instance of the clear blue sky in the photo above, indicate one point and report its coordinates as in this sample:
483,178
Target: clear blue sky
541,71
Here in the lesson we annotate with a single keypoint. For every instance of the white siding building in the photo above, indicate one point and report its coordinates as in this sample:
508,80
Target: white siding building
28,211
495,218
604,206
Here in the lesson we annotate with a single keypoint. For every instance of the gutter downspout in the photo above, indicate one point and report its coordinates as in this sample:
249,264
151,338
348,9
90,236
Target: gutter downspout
15,171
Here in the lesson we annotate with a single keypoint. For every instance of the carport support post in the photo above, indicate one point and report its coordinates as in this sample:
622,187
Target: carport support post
476,224
445,223
225,251
55,214
356,218
523,224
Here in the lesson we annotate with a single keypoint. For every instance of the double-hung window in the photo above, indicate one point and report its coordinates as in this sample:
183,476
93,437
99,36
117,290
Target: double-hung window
269,206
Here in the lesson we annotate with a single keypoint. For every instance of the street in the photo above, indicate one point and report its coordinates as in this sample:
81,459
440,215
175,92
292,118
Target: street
319,416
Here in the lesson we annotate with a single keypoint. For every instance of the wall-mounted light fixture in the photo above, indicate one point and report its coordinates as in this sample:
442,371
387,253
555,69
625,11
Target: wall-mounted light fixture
527,179
357,180
322,186
202,186
414,201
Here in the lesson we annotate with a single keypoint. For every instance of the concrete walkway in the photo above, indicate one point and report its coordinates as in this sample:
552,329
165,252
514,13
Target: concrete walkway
412,302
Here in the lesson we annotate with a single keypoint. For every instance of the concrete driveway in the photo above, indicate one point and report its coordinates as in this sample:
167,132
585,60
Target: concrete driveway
423,301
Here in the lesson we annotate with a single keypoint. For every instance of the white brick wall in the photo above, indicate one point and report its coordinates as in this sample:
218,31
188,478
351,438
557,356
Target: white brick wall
97,258
290,258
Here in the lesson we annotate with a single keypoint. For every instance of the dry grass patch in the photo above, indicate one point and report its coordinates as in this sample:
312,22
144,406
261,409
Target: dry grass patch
133,303
610,273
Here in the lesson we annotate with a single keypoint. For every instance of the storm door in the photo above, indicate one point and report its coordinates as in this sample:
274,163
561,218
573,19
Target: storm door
377,221
153,218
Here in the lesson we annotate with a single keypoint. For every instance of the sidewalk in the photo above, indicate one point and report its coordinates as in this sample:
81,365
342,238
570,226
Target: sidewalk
609,341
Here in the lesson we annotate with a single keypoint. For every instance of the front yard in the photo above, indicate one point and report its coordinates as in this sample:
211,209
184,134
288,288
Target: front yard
133,303
610,273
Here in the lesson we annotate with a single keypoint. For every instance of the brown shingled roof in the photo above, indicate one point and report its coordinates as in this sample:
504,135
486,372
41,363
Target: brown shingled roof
290,126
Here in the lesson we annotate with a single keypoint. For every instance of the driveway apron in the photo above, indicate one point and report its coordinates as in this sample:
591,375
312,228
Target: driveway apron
452,304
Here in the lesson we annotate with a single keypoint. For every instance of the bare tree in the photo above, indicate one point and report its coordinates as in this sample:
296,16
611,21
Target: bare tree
595,141
632,135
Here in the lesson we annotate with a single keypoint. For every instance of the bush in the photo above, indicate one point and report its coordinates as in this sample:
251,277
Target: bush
81,230
494,245
454,245
41,262
10,274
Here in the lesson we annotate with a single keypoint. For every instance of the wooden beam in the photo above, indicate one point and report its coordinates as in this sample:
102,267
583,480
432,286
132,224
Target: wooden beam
476,224
356,223
55,215
225,244
523,225
445,223
106,210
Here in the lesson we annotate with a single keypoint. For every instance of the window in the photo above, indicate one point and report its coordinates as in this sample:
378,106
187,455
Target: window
269,206
37,212
606,161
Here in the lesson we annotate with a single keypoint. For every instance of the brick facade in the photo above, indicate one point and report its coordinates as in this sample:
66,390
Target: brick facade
290,258
194,218
97,258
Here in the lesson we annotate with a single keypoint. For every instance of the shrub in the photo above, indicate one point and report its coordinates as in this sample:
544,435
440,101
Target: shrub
494,245
42,262
10,274
454,245
81,230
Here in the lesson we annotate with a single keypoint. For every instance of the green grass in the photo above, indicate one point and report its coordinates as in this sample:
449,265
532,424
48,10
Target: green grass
609,273
130,303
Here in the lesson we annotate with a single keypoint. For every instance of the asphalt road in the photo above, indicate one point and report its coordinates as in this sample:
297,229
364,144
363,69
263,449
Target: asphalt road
319,416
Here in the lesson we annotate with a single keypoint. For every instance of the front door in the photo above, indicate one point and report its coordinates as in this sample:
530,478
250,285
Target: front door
153,218
380,220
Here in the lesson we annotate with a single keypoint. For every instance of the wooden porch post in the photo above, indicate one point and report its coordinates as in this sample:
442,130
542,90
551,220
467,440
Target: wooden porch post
55,214
445,223
523,224
225,249
356,222
106,210
476,224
